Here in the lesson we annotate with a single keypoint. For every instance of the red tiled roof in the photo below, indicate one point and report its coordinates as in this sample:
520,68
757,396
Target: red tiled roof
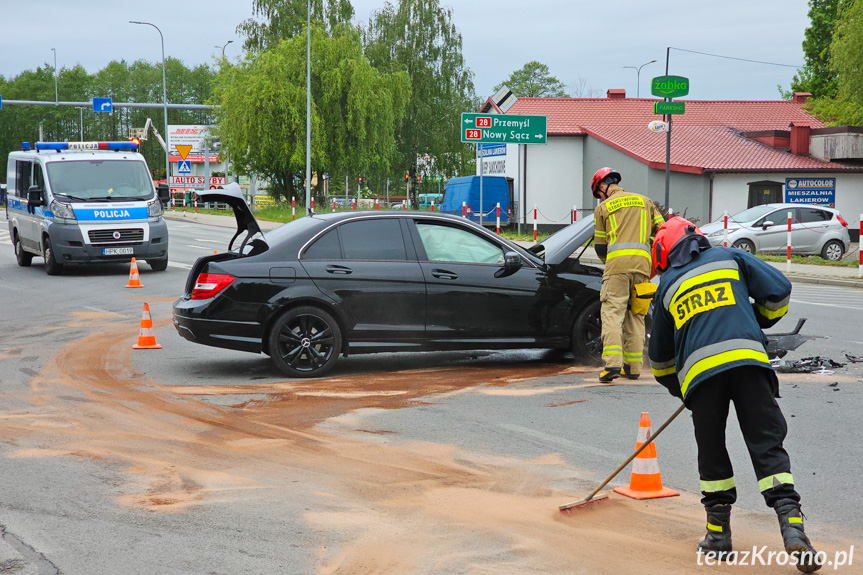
706,137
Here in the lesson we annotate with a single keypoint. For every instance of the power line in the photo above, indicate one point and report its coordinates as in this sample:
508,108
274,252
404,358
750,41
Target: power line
733,58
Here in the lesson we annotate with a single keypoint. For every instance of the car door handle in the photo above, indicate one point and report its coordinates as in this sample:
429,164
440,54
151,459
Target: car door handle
342,270
444,275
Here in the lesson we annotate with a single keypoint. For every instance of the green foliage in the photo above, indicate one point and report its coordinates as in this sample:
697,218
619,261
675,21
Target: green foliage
355,110
819,76
846,108
533,80
418,37
284,19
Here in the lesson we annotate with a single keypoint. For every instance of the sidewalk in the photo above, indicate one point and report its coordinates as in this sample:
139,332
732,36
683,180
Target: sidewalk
805,273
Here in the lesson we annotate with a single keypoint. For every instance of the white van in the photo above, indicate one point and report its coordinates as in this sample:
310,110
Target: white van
84,202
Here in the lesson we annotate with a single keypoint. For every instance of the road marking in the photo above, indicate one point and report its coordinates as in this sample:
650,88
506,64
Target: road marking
209,241
198,247
826,304
5,239
181,266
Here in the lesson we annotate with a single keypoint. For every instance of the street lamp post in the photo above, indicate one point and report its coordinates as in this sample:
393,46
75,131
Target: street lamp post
638,76
225,46
164,100
56,93
309,103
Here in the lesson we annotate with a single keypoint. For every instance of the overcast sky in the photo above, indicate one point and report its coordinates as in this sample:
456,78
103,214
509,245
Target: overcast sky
592,40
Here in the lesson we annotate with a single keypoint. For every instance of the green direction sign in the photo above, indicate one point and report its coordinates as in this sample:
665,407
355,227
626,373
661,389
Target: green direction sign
669,86
669,107
502,128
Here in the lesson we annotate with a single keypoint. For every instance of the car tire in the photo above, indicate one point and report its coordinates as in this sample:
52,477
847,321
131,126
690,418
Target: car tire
52,266
587,334
158,265
24,258
305,342
833,251
745,245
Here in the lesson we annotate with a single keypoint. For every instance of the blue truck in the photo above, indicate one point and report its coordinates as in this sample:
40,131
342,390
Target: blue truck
465,191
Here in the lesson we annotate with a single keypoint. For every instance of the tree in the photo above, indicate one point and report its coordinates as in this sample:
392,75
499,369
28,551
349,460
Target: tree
533,80
355,109
287,18
818,76
581,89
846,108
418,37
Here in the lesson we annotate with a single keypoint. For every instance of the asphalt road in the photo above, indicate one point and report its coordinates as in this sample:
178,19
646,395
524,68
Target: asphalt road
196,460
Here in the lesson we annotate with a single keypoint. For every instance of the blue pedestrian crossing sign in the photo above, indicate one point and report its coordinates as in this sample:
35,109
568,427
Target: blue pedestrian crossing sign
184,167
102,105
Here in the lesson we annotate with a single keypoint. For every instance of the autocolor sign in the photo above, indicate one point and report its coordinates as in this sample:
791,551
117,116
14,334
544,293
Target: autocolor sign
818,191
669,86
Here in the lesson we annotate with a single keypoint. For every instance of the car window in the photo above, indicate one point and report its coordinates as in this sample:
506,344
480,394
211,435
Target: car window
377,239
449,244
810,215
776,216
22,178
326,247
751,214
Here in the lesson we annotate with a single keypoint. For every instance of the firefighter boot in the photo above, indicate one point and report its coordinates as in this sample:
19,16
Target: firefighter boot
627,372
796,542
717,542
609,374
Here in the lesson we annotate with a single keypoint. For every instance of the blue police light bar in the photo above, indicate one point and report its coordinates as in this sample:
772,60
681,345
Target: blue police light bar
60,146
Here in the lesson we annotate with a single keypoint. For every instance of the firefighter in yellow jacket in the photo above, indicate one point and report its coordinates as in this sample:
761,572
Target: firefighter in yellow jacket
625,223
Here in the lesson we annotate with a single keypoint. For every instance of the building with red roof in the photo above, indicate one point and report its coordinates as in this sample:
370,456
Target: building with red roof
725,155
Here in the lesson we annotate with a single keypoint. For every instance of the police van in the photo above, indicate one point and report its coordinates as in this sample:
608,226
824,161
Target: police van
84,202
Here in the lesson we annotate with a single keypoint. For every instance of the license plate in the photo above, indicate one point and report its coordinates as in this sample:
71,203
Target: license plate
117,251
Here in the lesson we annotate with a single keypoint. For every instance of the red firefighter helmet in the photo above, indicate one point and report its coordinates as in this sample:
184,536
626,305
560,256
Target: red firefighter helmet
671,232
600,175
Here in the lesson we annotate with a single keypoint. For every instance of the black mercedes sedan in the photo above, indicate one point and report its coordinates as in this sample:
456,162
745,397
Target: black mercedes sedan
336,284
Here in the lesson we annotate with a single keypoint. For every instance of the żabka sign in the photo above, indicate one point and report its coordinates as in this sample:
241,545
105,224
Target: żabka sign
669,86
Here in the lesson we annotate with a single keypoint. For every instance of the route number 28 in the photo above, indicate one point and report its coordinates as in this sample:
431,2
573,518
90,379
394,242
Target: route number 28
483,122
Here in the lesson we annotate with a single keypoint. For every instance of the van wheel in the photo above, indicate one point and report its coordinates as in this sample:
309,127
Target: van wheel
24,258
158,265
52,266
305,342
587,334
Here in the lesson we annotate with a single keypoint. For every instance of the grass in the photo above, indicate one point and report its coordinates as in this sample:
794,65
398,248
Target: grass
811,260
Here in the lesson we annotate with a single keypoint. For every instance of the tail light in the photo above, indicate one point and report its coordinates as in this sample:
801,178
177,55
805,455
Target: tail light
842,221
208,285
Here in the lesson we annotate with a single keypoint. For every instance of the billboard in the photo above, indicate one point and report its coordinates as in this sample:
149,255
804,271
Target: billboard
817,191
190,135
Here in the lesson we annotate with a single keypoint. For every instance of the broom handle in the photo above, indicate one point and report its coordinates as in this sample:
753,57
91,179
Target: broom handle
637,451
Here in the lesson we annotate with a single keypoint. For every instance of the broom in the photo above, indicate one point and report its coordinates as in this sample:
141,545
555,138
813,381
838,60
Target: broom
593,498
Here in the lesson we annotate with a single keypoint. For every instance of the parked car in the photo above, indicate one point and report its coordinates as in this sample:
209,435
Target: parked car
342,283
815,230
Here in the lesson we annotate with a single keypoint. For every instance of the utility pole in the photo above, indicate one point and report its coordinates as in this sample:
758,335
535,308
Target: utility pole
56,92
308,103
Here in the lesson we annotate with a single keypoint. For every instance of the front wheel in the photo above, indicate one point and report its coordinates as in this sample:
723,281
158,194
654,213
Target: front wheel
587,333
158,265
745,245
52,266
833,251
24,258
305,342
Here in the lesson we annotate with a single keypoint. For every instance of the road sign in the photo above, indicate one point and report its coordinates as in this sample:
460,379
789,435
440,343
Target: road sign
669,107
183,150
1,102
102,105
669,86
503,128
184,167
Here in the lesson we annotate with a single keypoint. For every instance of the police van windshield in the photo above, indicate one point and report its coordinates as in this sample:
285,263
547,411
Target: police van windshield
100,180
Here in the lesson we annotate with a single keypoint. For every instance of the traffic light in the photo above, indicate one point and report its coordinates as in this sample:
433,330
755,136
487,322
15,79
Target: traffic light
407,177
360,181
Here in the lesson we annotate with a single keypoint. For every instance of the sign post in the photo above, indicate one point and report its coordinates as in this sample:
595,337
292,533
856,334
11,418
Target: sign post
668,87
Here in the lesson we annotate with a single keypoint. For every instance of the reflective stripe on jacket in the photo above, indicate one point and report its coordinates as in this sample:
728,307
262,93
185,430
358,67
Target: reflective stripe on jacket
624,225
703,322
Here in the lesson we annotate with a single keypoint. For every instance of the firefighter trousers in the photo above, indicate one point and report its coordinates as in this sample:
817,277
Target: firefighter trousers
763,426
622,330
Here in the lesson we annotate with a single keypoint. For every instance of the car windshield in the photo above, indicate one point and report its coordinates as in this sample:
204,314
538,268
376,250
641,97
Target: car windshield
752,214
100,180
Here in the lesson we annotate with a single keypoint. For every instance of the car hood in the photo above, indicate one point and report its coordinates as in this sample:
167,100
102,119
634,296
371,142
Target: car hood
561,244
232,195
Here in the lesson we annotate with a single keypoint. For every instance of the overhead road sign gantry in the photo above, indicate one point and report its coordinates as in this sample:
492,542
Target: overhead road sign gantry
503,128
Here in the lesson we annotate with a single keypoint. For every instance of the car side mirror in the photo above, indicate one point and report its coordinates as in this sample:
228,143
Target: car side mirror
164,193
34,197
767,224
511,264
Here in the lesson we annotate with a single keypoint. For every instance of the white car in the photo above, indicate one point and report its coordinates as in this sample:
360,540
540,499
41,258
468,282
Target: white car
815,230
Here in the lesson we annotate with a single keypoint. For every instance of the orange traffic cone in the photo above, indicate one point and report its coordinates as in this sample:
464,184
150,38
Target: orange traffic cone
645,481
146,339
134,281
